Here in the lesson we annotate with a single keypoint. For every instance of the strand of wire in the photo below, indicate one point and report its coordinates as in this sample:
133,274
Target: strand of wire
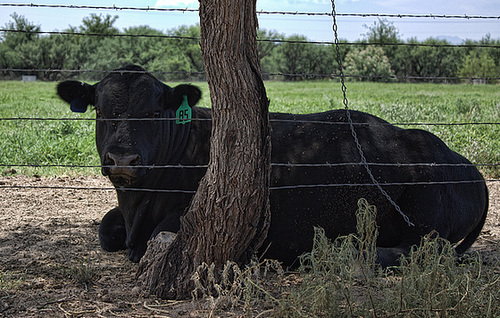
272,120
49,70
274,164
94,7
263,12
277,188
301,75
177,37
295,121
353,131
395,77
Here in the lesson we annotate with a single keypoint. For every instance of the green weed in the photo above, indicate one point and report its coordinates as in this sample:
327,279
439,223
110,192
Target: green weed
340,278
8,282
85,271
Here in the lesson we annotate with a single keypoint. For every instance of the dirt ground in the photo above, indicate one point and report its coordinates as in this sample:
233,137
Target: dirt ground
51,264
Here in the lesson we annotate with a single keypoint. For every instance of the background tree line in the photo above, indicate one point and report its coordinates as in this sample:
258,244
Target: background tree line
105,47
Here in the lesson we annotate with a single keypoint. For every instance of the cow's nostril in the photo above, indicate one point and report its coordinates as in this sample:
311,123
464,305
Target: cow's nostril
122,160
136,161
107,160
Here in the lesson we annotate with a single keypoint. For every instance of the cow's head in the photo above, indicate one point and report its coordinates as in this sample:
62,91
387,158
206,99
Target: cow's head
134,127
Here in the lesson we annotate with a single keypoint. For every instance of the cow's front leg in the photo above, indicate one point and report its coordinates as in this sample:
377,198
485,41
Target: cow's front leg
112,233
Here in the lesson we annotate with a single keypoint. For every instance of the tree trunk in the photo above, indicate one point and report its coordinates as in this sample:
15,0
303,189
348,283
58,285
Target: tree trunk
229,216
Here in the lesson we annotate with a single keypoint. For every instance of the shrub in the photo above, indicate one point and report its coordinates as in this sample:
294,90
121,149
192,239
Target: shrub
370,64
478,65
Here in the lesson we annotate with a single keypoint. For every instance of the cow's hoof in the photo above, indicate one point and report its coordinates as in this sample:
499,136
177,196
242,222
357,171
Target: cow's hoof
112,233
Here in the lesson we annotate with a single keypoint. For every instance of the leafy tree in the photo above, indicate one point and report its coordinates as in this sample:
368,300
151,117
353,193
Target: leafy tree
268,47
27,49
478,64
303,58
99,24
22,40
187,50
172,58
382,31
293,56
429,61
269,41
86,51
369,62
119,51
493,52
26,31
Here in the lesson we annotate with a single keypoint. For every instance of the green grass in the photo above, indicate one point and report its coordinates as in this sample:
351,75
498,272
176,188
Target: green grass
35,142
72,142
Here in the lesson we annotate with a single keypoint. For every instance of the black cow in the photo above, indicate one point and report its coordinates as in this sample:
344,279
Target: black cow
128,149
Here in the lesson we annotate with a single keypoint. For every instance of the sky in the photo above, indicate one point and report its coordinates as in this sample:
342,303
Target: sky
315,28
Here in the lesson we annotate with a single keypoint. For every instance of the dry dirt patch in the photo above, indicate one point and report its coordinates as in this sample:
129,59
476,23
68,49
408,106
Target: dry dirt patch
51,264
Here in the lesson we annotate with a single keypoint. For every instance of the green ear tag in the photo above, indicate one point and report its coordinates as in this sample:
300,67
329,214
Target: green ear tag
183,113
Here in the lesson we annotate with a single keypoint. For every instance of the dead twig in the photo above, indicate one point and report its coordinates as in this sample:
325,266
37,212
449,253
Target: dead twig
62,300
74,313
155,307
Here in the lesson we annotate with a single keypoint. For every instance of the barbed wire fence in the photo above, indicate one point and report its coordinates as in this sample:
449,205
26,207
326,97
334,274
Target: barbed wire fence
309,75
260,12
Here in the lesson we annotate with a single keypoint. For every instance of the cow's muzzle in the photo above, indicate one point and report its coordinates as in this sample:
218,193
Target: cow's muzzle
122,170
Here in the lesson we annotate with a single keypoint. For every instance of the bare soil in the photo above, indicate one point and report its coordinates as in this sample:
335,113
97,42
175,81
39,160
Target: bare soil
51,264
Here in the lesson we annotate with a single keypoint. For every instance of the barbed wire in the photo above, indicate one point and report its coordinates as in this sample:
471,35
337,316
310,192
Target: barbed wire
178,37
276,188
299,75
296,121
396,77
97,188
382,15
421,183
381,43
126,35
260,12
274,164
93,7
289,165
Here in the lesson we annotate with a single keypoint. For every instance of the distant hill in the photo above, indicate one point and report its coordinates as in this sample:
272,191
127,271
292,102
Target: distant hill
451,39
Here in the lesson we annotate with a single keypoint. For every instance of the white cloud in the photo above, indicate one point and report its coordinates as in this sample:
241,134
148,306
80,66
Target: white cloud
177,3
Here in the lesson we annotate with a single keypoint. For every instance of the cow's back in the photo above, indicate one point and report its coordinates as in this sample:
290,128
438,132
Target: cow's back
306,192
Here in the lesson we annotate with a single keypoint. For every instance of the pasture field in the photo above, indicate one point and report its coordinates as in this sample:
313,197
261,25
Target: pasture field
51,264
52,142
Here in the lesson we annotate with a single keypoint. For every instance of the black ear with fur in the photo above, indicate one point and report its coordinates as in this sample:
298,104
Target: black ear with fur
77,94
174,99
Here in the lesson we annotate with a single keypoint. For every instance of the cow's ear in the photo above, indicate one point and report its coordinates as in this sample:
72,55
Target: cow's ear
77,94
176,94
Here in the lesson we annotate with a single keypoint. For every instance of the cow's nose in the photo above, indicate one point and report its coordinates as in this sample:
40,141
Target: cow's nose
122,160
120,164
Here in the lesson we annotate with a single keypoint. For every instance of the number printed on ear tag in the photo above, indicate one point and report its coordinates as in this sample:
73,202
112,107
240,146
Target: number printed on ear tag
183,113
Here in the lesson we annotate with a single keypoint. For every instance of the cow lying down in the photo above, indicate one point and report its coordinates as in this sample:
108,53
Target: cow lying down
129,149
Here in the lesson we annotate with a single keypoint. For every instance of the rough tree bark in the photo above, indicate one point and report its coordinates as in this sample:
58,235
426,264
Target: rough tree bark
229,215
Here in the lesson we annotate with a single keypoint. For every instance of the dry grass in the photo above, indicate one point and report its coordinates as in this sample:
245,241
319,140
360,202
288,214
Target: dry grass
341,279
